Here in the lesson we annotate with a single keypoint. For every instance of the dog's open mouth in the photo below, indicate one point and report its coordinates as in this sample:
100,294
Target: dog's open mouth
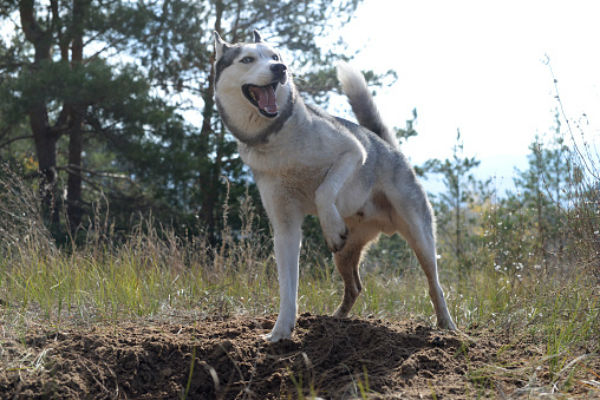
263,97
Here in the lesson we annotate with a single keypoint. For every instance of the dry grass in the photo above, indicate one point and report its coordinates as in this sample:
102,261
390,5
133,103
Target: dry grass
154,274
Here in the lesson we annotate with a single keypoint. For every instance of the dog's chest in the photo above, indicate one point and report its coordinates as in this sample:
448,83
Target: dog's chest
288,161
294,183
305,177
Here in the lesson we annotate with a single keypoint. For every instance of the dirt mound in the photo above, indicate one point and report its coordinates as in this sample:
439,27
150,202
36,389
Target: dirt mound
227,359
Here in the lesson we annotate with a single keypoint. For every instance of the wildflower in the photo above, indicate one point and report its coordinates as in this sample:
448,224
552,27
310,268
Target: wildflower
519,266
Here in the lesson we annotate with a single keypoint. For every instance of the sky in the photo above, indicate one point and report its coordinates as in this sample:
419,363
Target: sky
481,67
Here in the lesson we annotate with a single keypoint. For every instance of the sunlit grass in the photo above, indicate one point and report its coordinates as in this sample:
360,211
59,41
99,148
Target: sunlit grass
128,283
153,274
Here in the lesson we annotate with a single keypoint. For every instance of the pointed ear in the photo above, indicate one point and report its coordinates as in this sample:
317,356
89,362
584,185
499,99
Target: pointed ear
221,46
257,37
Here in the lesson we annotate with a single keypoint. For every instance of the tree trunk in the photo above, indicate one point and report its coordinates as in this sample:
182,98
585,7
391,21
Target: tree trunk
44,137
74,209
45,148
207,181
74,182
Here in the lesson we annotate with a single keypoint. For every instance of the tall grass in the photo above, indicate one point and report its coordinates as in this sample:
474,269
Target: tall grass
154,273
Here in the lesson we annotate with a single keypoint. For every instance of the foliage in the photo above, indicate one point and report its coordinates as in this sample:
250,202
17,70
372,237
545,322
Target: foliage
544,191
114,100
455,212
550,221
107,118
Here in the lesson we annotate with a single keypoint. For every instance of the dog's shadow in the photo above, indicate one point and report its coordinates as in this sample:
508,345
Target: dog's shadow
329,349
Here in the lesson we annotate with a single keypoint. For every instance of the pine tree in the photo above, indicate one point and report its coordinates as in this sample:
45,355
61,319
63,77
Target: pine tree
98,92
452,206
543,189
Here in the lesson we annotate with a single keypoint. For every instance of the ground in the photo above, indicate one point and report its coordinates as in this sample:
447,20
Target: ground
226,358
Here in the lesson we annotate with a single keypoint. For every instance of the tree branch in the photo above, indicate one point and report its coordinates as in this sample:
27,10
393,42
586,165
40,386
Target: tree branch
9,141
75,169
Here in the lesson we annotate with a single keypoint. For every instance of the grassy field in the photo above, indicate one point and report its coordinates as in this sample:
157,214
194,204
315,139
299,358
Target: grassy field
83,312
156,276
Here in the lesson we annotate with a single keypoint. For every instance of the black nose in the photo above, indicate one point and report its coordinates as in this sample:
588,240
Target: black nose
278,69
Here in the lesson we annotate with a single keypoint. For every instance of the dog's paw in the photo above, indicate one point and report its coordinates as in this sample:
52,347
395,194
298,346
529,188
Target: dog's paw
283,327
337,239
340,313
276,335
446,324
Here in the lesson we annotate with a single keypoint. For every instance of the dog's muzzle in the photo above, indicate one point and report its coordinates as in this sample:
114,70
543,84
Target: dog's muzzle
280,72
263,97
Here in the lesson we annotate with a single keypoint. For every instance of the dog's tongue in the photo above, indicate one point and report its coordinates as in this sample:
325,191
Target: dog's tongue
265,96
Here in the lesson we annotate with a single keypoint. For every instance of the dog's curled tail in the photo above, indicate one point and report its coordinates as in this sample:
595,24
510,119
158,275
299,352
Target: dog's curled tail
360,98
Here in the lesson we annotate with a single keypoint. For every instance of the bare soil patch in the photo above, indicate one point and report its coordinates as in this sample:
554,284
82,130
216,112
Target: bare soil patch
228,359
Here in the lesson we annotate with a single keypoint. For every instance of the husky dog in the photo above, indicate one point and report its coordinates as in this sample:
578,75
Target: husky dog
305,161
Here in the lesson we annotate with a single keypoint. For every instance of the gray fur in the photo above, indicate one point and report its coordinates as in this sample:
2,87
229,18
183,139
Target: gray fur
304,161
367,115
362,103
229,55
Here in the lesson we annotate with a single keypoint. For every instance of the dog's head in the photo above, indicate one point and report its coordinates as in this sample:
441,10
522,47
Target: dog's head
250,77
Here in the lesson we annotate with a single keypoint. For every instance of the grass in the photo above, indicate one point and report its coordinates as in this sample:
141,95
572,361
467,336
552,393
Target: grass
137,280
154,274
147,277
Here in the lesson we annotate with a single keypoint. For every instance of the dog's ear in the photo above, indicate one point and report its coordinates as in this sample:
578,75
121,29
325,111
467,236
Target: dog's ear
257,37
221,46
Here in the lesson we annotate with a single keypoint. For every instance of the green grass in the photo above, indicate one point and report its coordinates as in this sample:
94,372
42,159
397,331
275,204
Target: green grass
150,277
154,275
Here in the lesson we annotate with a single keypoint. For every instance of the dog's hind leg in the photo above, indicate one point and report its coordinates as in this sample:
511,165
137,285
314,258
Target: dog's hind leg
415,221
419,236
347,262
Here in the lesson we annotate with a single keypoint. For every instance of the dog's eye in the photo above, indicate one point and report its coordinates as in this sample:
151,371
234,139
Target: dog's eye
247,60
275,57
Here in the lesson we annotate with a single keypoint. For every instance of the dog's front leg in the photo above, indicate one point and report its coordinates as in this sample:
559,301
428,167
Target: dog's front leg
287,241
332,223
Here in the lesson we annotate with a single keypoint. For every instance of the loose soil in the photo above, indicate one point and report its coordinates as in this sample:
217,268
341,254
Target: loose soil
227,358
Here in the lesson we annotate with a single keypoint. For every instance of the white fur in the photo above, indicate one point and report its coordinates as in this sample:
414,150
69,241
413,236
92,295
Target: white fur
357,184
352,81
